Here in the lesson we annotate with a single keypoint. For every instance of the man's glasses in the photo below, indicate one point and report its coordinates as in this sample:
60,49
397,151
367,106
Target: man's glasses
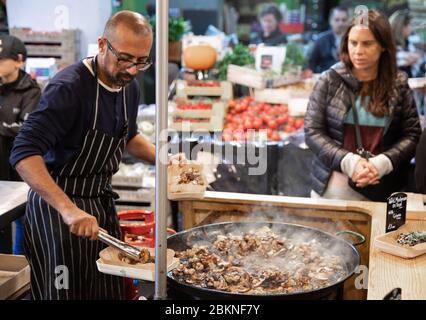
126,63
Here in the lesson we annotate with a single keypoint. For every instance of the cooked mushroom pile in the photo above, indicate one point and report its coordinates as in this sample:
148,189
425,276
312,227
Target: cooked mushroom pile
191,176
144,257
259,262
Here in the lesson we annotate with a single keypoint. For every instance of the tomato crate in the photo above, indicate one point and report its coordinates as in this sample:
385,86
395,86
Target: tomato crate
204,88
191,115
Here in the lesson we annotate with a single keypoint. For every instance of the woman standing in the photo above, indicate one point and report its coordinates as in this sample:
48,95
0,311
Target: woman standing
408,58
362,123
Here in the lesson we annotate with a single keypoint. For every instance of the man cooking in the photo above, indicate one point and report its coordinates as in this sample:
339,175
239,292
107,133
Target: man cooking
68,150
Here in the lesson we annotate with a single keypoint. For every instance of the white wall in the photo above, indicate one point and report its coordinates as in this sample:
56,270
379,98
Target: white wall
89,16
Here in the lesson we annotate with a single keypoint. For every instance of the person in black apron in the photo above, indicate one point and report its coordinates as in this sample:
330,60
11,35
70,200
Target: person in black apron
71,197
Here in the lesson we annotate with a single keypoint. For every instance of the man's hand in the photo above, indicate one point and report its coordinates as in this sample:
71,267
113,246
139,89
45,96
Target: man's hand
81,223
178,158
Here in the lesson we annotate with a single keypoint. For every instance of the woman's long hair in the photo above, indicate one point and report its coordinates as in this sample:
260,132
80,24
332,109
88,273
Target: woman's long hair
380,89
398,21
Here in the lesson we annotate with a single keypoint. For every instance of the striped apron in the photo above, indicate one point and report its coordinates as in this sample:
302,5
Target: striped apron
63,266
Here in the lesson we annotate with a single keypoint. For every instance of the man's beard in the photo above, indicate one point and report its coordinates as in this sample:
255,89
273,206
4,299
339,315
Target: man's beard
121,79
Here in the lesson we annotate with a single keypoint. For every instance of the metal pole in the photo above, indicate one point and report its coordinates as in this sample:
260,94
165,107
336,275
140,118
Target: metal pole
161,80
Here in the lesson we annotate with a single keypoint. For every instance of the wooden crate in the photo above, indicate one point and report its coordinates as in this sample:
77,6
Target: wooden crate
255,79
283,95
64,46
215,115
184,90
14,275
176,191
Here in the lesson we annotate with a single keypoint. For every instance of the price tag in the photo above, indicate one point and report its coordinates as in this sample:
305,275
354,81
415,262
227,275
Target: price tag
396,211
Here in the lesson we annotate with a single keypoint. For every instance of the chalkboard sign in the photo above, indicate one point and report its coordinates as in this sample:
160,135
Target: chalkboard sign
395,294
396,210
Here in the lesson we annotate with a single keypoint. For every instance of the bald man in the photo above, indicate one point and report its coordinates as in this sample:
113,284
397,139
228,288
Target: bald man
67,152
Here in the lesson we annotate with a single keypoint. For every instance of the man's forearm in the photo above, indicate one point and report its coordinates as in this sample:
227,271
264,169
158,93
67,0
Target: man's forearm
141,148
34,172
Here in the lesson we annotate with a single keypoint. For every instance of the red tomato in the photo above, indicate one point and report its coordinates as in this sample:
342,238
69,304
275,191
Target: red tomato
248,124
232,103
266,118
289,129
275,136
244,103
284,108
271,112
257,124
272,124
258,108
282,119
299,123
229,117
290,121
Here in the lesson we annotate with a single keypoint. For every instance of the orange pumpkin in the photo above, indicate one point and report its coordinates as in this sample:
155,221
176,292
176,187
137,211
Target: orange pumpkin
200,57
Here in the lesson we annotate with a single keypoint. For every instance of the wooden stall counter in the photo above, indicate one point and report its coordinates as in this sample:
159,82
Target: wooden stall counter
385,272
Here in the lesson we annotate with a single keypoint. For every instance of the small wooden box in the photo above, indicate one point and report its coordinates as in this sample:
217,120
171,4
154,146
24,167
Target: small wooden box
223,91
388,241
178,191
14,275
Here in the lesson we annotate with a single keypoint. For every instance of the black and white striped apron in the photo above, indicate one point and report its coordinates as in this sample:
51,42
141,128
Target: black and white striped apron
49,245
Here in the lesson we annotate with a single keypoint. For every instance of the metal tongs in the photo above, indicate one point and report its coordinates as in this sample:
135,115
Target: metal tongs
128,250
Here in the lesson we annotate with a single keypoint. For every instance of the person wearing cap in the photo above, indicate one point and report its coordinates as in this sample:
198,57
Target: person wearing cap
19,95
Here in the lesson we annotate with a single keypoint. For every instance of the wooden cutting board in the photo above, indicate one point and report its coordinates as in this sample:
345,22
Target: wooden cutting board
109,263
387,242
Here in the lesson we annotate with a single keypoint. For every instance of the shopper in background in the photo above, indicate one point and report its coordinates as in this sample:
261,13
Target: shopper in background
325,52
270,18
19,95
367,87
67,152
407,56
420,170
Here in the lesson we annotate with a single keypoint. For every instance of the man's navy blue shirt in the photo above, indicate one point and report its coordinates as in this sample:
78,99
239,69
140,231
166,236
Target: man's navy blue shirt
56,129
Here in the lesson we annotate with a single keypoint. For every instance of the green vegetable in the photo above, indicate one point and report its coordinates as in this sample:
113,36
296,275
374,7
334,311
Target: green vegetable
239,56
294,58
177,27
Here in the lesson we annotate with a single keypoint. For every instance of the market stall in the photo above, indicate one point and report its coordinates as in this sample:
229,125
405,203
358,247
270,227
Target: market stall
385,271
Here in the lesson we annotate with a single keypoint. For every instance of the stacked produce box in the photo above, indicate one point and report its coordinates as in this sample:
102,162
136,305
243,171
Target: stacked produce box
64,46
200,105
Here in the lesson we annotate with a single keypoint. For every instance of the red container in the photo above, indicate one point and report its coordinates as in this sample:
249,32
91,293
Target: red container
138,229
